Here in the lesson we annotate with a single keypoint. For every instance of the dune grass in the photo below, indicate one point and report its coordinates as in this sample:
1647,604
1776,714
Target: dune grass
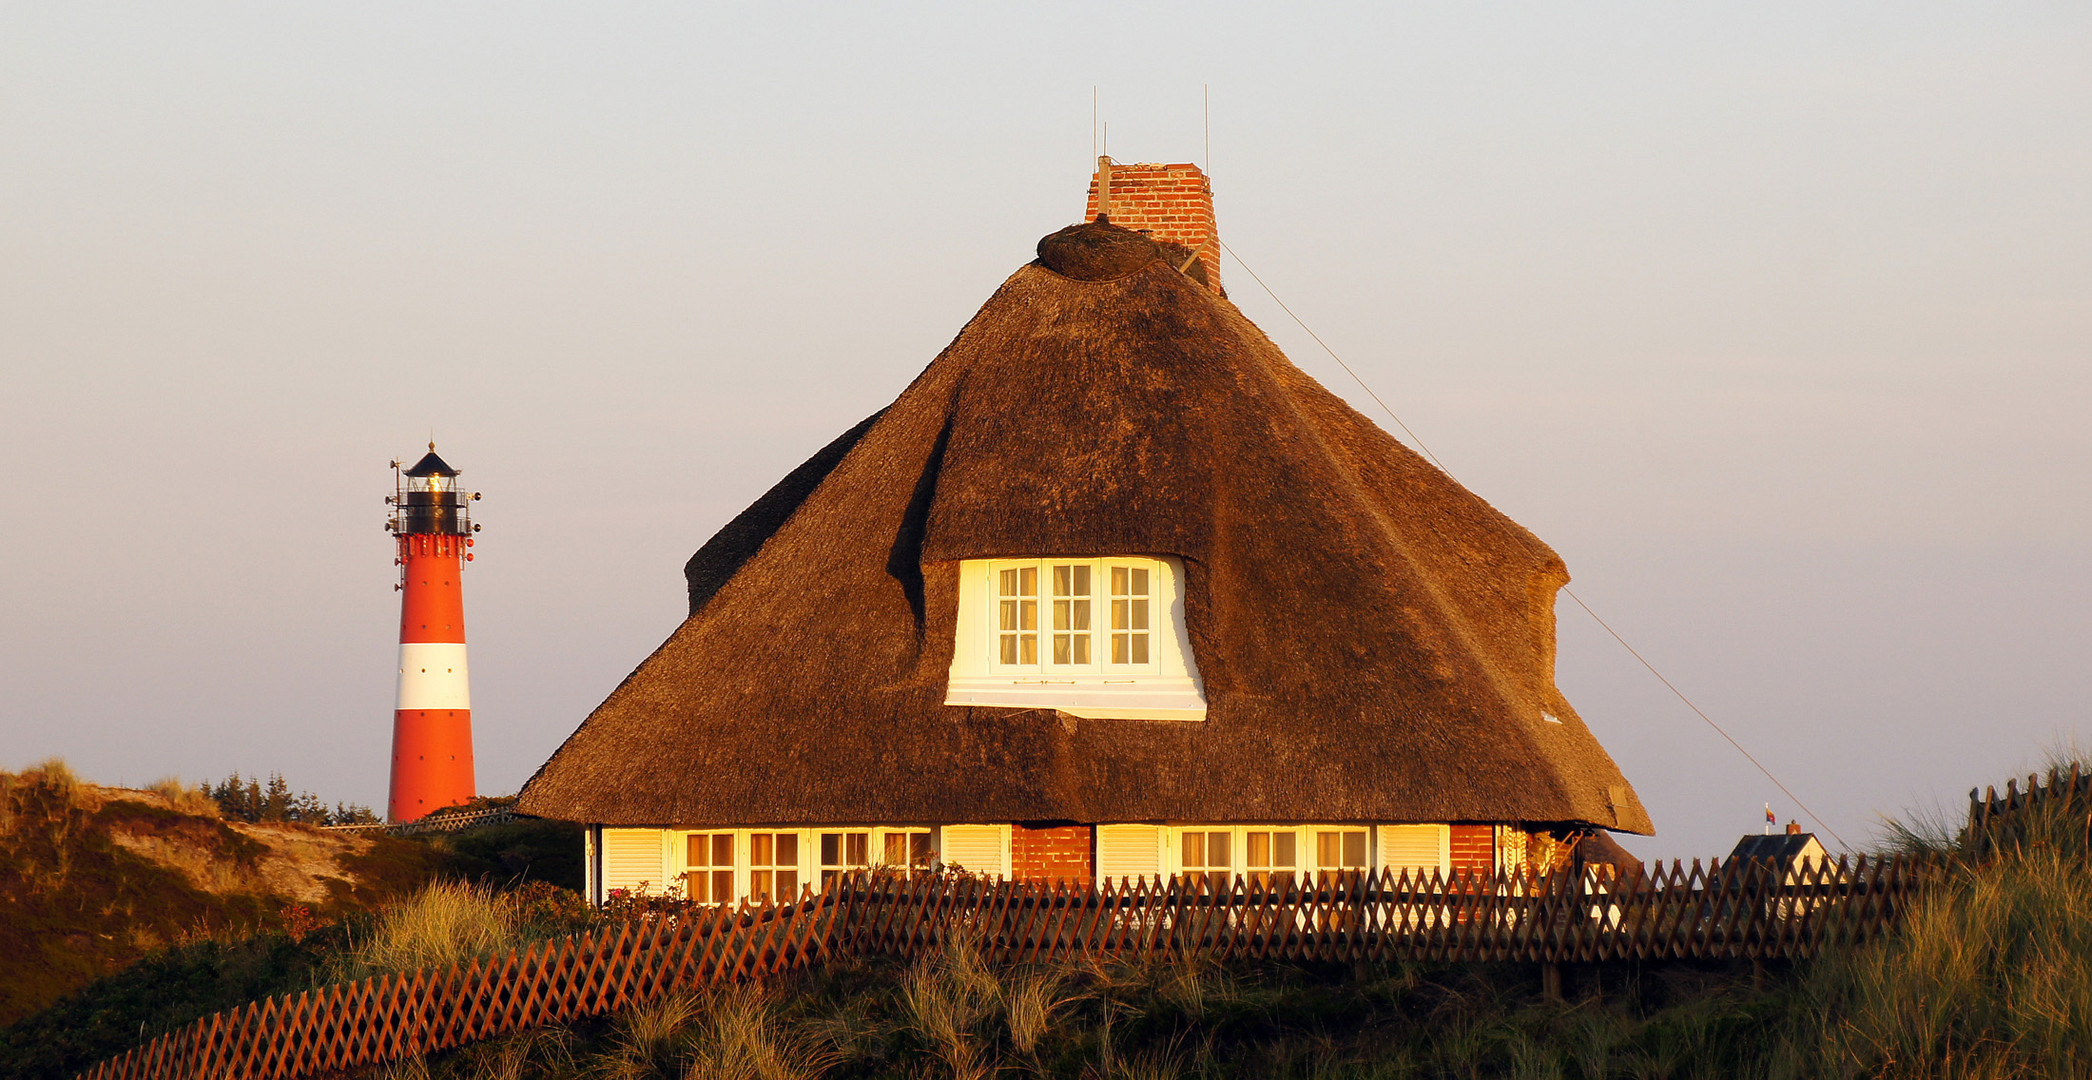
445,923
1989,976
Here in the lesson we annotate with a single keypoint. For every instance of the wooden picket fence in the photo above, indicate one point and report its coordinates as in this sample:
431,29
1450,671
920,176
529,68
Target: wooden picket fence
1741,909
2001,820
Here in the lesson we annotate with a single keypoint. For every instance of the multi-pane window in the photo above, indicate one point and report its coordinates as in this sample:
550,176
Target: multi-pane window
773,865
1340,849
842,852
1129,614
1071,613
1268,854
1207,852
1071,616
709,878
1019,615
908,849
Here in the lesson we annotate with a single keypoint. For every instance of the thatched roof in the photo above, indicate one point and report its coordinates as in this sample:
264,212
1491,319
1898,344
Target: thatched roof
1376,643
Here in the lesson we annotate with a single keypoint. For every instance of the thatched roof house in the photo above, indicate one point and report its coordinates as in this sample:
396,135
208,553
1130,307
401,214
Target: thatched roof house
1340,632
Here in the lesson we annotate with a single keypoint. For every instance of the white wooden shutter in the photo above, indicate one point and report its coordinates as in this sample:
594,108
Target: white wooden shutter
632,856
1129,851
977,848
1416,847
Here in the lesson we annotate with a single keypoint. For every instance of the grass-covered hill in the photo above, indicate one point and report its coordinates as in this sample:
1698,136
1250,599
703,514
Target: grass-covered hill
94,879
1989,976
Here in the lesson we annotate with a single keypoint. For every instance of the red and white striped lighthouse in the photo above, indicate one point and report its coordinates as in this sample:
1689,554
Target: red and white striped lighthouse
432,718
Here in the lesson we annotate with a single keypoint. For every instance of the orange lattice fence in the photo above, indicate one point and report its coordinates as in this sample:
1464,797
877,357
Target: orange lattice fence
391,1017
1741,909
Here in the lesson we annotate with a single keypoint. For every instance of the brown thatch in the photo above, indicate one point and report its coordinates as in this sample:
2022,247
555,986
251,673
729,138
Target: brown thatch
1376,643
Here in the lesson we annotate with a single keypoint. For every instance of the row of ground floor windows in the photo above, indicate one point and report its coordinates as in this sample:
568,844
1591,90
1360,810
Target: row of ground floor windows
727,865
714,861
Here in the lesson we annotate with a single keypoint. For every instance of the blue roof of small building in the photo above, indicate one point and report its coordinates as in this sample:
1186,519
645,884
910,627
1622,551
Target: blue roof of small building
1775,846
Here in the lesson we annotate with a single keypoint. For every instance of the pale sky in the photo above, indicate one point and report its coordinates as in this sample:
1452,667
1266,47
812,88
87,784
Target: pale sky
1774,319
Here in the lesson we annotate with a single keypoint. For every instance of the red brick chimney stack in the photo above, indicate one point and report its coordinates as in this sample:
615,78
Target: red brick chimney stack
1168,202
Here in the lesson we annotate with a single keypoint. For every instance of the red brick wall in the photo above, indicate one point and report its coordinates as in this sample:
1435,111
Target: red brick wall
1050,854
1474,847
1168,202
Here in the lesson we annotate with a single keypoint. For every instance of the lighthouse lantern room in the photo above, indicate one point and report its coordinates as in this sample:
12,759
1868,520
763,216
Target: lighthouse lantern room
432,716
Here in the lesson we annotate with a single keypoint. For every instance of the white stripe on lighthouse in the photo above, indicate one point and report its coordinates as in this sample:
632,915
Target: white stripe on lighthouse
432,676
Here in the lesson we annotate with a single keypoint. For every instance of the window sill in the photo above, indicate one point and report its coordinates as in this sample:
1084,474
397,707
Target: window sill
1087,698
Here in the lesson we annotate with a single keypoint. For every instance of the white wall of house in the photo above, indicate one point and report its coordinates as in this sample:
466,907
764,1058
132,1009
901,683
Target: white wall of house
1270,849
657,859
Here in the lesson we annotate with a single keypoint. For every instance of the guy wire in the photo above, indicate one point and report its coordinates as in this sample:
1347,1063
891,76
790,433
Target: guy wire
1571,593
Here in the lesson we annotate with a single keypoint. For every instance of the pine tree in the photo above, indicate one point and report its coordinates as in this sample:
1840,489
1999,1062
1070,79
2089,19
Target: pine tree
275,801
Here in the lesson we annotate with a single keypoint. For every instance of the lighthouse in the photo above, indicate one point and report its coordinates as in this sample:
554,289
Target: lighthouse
432,717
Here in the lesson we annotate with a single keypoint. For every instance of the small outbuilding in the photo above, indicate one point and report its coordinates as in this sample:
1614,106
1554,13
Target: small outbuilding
1790,852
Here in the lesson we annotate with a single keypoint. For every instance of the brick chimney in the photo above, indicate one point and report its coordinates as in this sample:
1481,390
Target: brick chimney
1168,202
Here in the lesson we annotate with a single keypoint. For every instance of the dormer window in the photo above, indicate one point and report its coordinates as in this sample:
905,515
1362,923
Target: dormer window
1059,630
1101,638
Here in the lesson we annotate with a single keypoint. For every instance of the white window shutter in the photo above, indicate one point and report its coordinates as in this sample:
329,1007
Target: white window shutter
1416,847
633,856
1129,851
975,848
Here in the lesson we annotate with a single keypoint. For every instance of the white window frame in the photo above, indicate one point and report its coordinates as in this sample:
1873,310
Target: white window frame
844,863
784,894
674,845
734,868
1306,861
1239,845
1312,855
1166,687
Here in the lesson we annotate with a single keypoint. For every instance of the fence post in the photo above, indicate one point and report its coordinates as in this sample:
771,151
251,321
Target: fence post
1972,837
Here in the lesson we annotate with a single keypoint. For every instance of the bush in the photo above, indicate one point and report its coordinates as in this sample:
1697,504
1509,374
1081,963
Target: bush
194,801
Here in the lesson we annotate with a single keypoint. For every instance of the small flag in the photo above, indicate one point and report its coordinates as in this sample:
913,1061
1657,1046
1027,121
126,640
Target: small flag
1770,820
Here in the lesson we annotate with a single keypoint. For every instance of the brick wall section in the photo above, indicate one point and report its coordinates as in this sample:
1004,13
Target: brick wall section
1168,202
1051,854
1474,847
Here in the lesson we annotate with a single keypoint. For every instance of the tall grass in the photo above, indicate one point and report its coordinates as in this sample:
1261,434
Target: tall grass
41,808
194,801
950,995
1990,974
446,923
744,1037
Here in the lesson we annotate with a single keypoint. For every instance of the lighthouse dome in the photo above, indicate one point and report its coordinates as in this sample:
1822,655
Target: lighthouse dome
431,465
